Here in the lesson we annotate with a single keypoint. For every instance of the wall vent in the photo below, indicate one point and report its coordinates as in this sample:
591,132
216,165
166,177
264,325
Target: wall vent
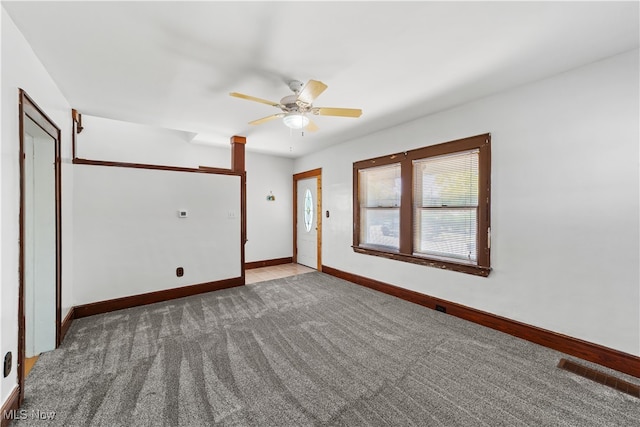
600,377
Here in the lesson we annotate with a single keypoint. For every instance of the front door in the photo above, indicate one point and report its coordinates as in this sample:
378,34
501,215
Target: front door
307,228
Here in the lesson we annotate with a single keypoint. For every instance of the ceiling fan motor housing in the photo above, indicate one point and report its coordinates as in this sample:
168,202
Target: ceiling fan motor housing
289,103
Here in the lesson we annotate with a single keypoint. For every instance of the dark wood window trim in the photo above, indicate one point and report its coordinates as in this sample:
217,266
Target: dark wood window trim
405,252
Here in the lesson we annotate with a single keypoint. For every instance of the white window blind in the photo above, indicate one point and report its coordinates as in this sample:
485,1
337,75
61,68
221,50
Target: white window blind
445,197
379,195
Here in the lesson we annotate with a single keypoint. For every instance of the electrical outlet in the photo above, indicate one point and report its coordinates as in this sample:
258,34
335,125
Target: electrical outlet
7,364
179,271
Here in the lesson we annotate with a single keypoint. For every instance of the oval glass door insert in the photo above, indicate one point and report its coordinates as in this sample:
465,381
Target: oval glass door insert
308,210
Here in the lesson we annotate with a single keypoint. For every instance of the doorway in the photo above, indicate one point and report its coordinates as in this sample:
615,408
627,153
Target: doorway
40,235
307,215
39,240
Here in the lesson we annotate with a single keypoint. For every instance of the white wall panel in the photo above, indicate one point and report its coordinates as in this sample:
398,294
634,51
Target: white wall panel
118,141
130,240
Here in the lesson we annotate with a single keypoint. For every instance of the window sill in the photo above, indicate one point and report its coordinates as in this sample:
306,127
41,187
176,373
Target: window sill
429,262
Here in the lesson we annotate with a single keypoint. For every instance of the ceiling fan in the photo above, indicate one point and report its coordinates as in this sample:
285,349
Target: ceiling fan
296,108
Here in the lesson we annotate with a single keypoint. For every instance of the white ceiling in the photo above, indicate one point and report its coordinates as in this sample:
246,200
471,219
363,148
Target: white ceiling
173,64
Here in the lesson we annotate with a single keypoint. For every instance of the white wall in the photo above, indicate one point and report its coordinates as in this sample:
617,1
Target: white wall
269,223
129,238
22,69
565,203
118,141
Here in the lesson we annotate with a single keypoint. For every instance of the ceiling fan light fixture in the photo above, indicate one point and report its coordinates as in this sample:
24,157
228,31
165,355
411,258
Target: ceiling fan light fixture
295,121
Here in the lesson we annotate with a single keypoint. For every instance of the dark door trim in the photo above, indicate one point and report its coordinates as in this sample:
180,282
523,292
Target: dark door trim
28,108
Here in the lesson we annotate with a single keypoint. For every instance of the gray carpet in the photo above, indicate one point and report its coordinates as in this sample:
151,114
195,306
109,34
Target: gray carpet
307,350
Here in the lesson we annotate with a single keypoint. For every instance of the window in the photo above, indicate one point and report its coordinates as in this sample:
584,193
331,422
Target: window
427,206
445,199
380,191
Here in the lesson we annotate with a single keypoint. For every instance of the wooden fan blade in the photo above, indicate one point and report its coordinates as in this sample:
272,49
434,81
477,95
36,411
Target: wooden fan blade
311,127
253,98
311,91
341,112
266,119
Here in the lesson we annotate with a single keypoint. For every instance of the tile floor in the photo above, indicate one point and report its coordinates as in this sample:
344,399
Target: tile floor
28,364
262,274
